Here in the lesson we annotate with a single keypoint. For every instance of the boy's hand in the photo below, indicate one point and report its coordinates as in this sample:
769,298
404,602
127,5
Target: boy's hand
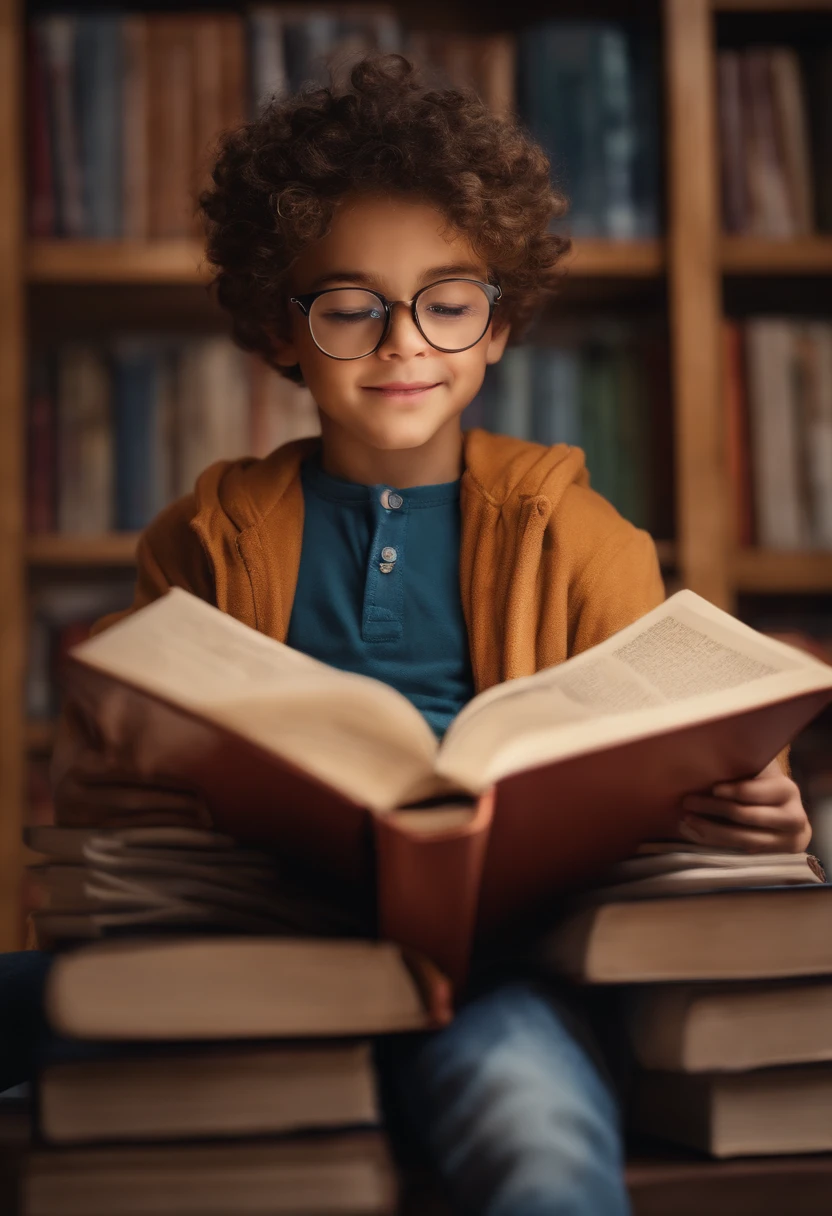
761,815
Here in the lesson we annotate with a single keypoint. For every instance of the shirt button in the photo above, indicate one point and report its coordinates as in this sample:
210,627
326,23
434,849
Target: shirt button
389,554
386,567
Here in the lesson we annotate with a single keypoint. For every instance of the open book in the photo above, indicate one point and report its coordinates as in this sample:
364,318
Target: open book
539,784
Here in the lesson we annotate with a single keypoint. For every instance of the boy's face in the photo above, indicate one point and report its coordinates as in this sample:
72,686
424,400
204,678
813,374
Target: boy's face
395,246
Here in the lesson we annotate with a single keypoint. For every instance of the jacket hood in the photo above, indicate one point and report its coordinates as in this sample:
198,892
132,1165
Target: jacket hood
497,467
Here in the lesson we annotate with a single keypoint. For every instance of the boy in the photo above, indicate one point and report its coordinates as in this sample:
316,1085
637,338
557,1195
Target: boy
382,241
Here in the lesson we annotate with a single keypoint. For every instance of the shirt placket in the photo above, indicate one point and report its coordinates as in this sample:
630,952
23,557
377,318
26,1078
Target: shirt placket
384,589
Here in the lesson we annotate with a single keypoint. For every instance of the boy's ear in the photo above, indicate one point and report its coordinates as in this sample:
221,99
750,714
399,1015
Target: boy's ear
497,342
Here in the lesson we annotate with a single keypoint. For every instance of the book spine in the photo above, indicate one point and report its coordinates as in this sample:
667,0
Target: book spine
618,134
41,449
57,38
821,444
647,106
171,125
496,72
85,465
773,434
266,56
40,149
98,77
134,422
792,136
737,437
429,888
234,70
818,76
135,130
732,144
209,115
515,398
770,212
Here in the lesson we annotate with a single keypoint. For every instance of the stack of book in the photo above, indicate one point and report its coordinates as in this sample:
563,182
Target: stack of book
727,959
212,1052
775,116
778,411
119,430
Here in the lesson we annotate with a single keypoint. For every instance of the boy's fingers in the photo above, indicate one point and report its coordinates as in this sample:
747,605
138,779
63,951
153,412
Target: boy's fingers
762,791
726,836
783,819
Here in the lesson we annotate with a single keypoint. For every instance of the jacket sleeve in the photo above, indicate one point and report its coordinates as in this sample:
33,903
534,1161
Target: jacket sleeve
620,583
94,763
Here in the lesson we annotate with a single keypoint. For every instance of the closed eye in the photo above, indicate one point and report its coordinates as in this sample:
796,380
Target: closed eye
347,317
450,310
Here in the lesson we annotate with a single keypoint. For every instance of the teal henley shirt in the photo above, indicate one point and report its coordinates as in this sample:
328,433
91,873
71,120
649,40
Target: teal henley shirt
378,588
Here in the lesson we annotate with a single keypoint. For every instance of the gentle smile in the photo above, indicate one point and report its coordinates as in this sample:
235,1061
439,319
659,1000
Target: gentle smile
402,388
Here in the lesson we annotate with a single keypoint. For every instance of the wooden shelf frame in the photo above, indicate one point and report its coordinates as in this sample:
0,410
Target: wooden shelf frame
751,255
55,550
12,391
183,263
777,571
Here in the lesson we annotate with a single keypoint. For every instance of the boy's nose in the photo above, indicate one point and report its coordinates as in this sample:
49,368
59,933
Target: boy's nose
403,341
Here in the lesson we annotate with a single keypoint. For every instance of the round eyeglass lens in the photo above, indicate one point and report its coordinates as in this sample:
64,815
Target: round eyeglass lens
347,323
453,315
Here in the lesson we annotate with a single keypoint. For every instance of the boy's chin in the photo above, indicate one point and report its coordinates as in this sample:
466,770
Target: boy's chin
402,434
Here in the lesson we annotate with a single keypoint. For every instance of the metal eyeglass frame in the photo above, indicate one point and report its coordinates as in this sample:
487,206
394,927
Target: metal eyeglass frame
492,291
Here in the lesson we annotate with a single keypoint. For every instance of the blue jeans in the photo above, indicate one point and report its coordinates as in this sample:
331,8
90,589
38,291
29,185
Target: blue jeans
512,1107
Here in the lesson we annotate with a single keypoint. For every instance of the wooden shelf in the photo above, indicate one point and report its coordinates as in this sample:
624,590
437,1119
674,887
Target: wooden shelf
183,262
110,549
119,549
40,735
594,259
777,571
759,255
156,262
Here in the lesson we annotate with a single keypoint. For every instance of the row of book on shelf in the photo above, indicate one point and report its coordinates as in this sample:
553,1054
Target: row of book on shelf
778,412
775,119
211,1028
118,431
124,110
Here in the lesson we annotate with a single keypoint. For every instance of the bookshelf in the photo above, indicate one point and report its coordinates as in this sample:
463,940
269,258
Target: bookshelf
688,266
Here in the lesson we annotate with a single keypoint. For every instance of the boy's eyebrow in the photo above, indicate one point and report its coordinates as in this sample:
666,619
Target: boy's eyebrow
366,279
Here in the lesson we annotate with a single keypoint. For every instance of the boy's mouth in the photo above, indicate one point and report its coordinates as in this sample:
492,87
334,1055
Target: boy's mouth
403,388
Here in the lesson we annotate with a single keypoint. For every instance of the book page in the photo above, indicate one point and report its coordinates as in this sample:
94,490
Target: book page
684,662
356,734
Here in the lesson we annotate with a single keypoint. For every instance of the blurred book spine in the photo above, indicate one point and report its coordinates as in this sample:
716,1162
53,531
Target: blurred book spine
777,394
775,120
588,91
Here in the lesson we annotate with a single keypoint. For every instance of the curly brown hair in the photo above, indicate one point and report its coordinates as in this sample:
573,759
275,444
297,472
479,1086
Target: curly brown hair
278,179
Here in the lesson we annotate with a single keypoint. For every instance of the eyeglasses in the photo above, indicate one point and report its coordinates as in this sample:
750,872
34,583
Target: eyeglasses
351,322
